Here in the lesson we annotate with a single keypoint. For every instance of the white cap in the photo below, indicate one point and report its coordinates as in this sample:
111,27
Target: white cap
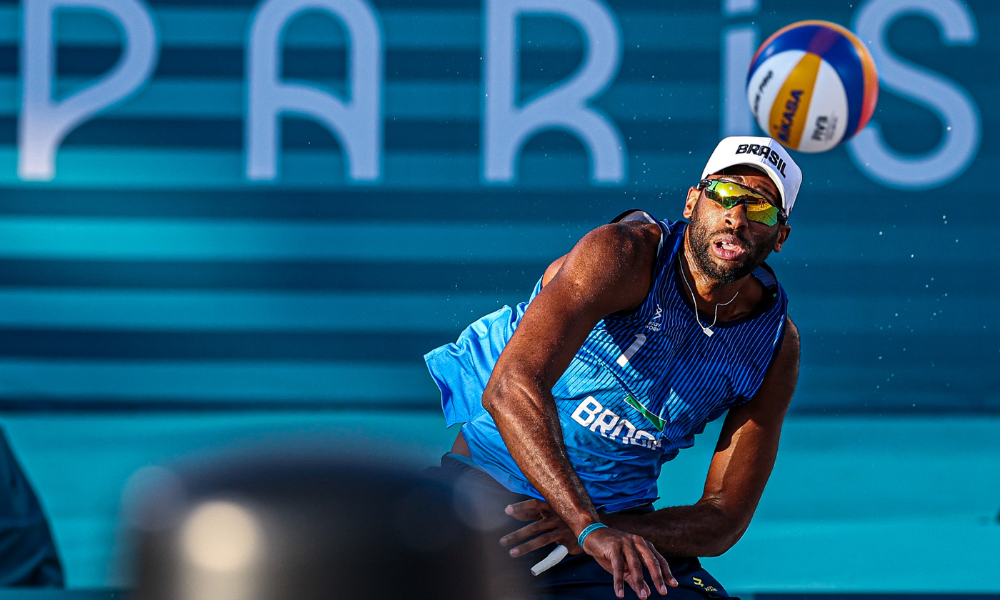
761,153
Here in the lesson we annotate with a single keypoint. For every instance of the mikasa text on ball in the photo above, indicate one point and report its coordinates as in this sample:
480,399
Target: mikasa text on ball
812,85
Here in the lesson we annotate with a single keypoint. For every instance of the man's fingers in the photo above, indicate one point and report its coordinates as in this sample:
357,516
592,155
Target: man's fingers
624,556
655,565
526,532
635,578
618,573
667,574
647,552
529,510
535,544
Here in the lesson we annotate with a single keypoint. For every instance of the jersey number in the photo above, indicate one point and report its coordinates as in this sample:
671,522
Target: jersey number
640,339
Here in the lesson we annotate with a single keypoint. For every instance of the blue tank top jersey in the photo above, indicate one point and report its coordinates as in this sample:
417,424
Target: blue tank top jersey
639,389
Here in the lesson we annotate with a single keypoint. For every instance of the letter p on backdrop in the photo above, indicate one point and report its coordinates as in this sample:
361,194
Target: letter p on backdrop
45,122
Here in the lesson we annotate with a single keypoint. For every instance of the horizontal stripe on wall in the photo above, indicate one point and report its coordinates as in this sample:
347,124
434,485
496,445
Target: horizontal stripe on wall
449,64
832,402
410,24
951,384
352,382
415,100
918,400
379,5
424,64
885,354
360,314
830,314
163,239
400,135
91,344
819,206
692,103
128,239
142,168
787,10
205,26
389,276
208,169
227,385
399,275
489,205
119,309
297,133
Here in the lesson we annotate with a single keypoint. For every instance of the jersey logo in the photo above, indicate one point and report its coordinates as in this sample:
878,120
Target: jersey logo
654,323
594,416
655,420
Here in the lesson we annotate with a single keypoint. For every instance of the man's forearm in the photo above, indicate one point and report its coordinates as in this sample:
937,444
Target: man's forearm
699,530
530,428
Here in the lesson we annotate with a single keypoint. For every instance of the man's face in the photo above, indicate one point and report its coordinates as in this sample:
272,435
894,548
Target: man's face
727,245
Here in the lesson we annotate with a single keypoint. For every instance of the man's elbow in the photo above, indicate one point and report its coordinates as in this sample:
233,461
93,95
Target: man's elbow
513,393
496,396
729,529
490,402
491,397
724,542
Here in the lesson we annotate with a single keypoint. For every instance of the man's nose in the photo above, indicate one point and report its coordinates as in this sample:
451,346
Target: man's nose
736,217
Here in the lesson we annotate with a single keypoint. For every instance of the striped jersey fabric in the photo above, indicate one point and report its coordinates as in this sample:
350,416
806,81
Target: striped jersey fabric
638,390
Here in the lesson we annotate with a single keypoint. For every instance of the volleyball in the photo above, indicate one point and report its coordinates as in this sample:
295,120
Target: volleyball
812,85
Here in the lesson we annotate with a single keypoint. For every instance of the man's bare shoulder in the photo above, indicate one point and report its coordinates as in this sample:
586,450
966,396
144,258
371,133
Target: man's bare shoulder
618,246
779,382
640,233
791,344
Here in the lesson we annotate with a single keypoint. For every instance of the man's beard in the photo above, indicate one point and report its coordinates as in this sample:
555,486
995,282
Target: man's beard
700,240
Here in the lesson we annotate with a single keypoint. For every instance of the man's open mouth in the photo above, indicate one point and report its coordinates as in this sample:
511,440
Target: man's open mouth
727,247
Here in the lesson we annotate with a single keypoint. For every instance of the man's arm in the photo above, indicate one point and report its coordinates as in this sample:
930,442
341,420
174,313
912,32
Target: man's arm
608,271
740,468
744,457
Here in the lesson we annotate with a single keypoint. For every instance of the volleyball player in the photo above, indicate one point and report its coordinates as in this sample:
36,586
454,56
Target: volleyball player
646,331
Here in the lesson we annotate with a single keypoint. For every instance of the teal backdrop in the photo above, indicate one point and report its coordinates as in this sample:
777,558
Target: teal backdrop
147,262
212,208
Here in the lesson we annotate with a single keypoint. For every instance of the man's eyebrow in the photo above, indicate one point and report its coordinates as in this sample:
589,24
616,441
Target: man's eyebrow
769,195
764,192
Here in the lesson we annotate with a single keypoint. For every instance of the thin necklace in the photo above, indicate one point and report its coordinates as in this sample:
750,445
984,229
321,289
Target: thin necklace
704,328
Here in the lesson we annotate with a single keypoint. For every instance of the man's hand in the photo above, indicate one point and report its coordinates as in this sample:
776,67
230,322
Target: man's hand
619,553
623,555
546,529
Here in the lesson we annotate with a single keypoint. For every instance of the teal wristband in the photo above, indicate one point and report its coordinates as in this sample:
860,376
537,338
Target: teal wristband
587,531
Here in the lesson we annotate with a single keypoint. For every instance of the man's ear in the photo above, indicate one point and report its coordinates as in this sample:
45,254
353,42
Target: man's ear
783,231
692,200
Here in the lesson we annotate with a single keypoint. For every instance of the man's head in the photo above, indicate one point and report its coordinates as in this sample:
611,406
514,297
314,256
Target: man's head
726,243
763,154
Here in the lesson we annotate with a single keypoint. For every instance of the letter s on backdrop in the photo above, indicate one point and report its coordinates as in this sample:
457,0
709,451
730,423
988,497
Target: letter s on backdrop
946,99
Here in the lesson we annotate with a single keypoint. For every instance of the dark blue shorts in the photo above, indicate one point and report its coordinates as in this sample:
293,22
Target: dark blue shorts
577,577
581,578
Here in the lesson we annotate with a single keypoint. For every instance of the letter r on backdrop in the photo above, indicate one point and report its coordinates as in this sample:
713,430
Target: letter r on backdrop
507,126
44,123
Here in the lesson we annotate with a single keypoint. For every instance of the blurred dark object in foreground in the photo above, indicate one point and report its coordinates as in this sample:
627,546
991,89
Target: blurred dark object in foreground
311,529
28,556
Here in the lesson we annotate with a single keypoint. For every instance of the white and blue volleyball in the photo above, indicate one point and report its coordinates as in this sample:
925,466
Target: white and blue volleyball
812,85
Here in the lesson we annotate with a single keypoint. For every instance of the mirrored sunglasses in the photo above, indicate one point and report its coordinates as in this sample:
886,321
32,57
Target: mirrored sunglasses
729,195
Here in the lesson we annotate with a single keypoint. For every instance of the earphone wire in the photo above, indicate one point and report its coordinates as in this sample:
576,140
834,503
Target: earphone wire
706,329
